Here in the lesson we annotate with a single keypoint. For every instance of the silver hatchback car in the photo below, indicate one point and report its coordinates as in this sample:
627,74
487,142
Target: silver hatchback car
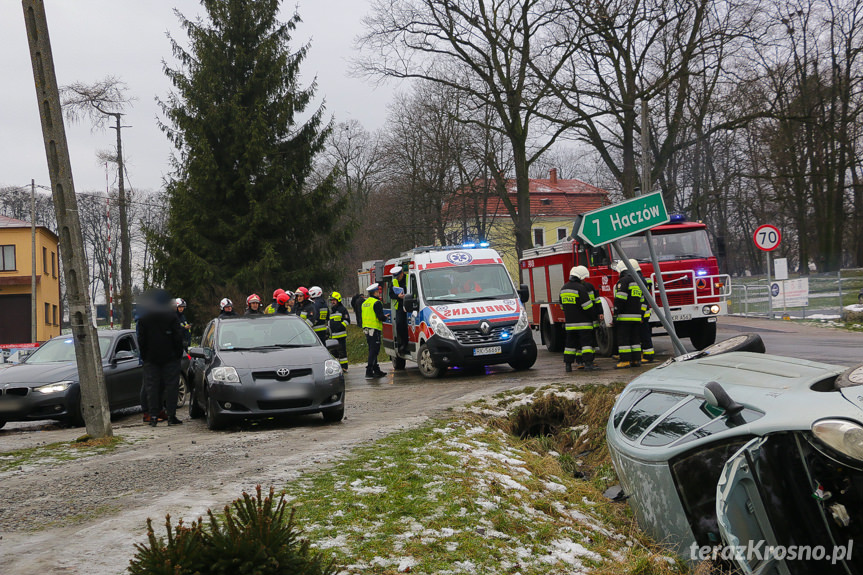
753,458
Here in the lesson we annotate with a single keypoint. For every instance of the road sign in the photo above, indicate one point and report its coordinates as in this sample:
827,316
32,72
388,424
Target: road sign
767,238
617,221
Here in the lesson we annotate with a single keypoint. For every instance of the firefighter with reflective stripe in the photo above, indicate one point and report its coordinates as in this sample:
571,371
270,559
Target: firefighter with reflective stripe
628,300
283,303
373,325
579,312
645,331
339,320
321,314
304,307
271,309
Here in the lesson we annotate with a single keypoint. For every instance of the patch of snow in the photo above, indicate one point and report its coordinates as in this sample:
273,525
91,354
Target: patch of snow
567,551
556,487
338,541
466,566
572,395
382,561
587,501
405,563
854,307
822,316
506,480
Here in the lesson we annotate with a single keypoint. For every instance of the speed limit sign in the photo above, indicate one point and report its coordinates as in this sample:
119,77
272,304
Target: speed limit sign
767,238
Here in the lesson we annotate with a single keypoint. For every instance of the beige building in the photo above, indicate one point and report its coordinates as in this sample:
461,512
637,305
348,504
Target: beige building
16,276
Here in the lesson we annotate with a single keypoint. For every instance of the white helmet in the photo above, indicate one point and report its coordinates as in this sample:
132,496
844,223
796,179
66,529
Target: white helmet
225,303
580,272
634,263
620,266
179,302
315,291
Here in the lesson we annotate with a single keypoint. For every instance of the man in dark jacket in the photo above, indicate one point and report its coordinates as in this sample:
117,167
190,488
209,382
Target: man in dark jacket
628,314
339,320
357,306
160,338
580,312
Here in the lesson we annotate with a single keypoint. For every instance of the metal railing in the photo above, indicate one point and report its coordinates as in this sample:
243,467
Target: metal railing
829,294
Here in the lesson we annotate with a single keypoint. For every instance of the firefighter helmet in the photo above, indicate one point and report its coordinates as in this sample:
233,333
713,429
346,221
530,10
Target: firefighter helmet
336,296
283,298
254,298
277,292
315,291
225,303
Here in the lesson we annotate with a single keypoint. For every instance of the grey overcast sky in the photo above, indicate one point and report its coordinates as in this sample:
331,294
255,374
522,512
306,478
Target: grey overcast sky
92,39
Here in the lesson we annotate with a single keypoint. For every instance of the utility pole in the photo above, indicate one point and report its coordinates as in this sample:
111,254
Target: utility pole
125,244
94,397
33,261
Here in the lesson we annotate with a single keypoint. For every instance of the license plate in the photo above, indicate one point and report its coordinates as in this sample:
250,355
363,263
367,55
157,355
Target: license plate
681,317
487,350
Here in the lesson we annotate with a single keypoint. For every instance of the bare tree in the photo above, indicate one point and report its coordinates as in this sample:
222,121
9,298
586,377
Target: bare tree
484,51
101,102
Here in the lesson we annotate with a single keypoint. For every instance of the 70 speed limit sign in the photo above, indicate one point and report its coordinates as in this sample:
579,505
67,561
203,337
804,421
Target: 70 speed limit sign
767,238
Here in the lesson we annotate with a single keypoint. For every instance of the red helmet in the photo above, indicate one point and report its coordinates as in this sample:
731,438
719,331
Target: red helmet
277,293
254,298
302,291
282,298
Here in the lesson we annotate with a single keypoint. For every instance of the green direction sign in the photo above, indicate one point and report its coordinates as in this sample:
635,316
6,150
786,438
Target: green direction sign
617,221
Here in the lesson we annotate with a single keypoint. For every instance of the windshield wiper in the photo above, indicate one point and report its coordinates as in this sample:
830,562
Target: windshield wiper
289,345
236,348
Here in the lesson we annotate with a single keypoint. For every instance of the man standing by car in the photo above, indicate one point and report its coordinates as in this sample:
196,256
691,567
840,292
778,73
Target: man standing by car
160,339
373,325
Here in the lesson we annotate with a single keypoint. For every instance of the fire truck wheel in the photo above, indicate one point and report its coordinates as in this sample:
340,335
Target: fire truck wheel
398,363
426,365
552,334
702,333
605,340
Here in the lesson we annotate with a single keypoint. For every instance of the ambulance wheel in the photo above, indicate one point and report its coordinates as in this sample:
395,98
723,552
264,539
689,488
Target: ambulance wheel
398,363
426,365
605,345
552,334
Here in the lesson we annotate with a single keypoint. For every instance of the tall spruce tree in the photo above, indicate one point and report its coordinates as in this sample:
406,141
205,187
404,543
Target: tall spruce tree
246,212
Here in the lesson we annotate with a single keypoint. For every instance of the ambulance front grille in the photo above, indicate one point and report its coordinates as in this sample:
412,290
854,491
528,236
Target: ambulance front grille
473,336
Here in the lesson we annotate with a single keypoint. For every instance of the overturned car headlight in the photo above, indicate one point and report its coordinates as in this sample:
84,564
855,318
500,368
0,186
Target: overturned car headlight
844,436
439,327
56,387
225,375
332,368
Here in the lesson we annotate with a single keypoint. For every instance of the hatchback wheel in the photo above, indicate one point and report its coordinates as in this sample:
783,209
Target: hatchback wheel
215,421
335,414
195,410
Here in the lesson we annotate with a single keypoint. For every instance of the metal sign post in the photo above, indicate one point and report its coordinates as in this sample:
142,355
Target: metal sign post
767,239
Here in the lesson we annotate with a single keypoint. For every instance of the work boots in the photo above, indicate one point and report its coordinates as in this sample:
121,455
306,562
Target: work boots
567,367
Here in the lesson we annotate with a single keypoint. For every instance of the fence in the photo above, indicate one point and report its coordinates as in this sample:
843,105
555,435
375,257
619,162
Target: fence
829,293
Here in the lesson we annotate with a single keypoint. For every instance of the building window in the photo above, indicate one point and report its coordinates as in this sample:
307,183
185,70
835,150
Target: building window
562,233
54,314
45,261
53,266
47,314
7,258
538,237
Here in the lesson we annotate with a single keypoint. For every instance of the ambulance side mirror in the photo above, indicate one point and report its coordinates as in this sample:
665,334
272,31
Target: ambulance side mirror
523,293
411,303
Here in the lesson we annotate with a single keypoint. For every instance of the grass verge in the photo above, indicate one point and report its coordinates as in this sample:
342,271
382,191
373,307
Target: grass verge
358,350
60,451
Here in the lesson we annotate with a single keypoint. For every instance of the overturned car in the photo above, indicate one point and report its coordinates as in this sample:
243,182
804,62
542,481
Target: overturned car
758,459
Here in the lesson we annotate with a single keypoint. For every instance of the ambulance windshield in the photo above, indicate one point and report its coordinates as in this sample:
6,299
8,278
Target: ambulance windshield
691,244
466,283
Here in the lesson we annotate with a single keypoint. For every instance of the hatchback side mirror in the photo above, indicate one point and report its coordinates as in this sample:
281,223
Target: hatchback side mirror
523,293
200,353
411,303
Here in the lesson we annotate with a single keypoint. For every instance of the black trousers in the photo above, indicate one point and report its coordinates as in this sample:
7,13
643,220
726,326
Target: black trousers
343,351
402,330
162,381
628,340
374,343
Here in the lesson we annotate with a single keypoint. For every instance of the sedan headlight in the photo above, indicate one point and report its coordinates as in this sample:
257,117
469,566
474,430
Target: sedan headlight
225,375
439,327
844,436
521,324
332,368
57,387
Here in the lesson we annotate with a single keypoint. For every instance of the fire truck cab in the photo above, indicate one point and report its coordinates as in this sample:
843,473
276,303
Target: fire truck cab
463,310
697,293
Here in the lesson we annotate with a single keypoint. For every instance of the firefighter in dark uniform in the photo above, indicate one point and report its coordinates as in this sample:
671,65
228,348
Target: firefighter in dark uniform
398,301
579,312
304,308
645,331
373,325
628,300
339,320
321,314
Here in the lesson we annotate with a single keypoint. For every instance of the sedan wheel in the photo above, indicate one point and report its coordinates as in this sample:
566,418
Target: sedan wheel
214,420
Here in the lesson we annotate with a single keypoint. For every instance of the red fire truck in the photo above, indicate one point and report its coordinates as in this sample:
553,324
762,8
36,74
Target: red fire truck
697,293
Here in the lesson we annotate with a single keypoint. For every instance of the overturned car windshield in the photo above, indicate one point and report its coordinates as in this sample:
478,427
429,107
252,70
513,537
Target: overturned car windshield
266,333
466,283
692,244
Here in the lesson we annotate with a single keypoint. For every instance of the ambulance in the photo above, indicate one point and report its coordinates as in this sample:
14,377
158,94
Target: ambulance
463,310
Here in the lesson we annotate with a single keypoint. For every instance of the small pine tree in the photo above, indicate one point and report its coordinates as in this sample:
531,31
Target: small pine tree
255,538
246,213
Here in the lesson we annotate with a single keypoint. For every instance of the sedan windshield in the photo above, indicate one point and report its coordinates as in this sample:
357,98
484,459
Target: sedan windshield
62,350
266,332
466,283
669,246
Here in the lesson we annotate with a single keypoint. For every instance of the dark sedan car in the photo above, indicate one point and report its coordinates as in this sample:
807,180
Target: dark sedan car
45,385
263,366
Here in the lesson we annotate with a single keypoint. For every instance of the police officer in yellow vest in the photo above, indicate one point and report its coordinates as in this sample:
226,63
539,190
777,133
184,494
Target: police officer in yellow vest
373,324
397,296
